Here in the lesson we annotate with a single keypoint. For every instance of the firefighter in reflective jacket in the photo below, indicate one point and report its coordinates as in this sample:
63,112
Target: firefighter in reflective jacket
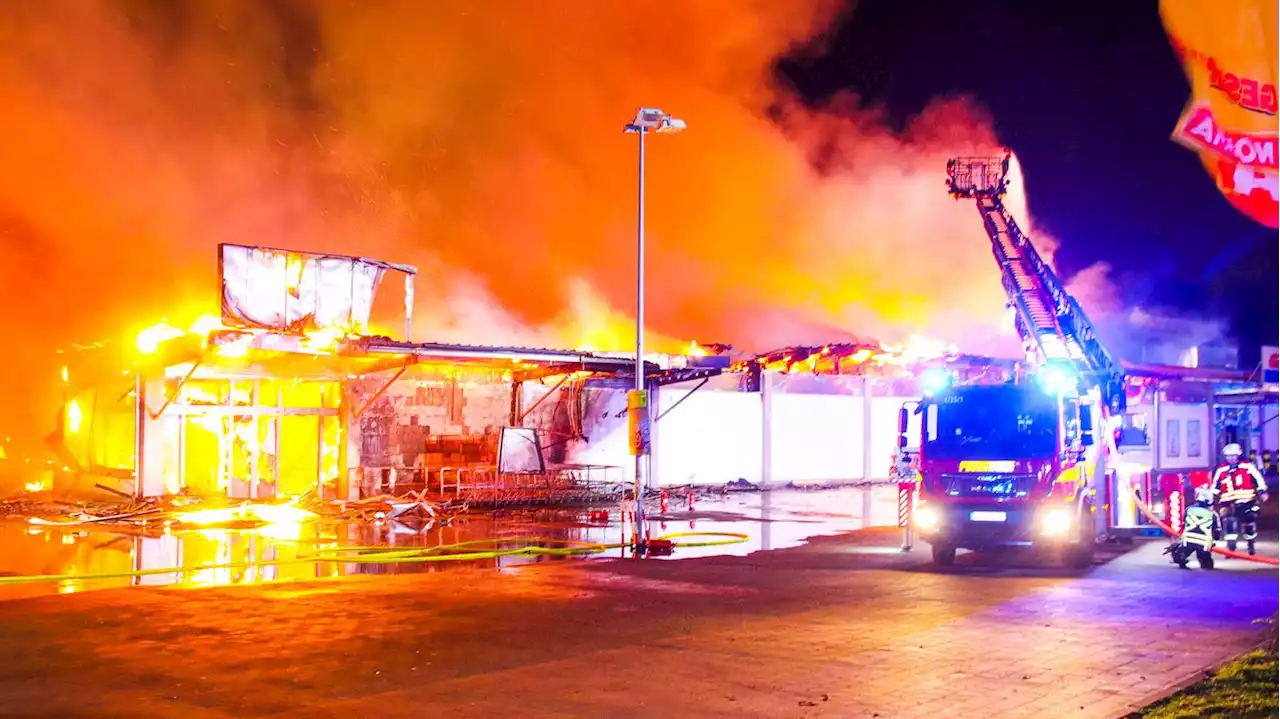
1199,528
1240,487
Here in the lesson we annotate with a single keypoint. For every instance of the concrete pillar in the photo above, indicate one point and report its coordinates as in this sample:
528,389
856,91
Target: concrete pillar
320,420
868,463
766,526
517,397
1157,432
149,442
766,428
655,431
255,453
1256,418
348,447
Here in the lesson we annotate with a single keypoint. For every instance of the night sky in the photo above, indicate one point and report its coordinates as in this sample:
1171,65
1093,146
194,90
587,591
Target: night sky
1087,94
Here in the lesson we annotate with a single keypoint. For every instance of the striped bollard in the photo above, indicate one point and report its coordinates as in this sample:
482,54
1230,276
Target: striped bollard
1175,512
905,492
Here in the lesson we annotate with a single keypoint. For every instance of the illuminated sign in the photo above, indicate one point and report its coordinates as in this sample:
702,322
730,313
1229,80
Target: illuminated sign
1271,364
974,465
1228,53
638,421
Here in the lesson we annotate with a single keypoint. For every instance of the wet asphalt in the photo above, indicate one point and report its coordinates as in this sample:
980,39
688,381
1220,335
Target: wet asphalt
842,625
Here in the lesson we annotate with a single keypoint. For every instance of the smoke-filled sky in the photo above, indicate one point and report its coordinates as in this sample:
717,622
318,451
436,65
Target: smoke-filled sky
1087,94
481,141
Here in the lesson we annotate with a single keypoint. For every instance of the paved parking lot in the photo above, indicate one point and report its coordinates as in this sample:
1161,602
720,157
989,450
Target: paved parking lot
844,627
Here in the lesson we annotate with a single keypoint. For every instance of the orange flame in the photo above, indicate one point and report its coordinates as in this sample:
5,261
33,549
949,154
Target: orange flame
150,339
524,184
287,513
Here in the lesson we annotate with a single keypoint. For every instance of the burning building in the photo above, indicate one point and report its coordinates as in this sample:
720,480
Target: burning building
289,393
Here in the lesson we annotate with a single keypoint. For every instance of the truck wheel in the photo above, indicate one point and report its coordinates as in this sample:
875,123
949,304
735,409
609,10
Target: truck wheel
943,555
1081,556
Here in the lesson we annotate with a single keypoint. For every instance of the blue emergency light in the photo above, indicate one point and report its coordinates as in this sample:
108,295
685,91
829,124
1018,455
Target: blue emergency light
934,381
1057,379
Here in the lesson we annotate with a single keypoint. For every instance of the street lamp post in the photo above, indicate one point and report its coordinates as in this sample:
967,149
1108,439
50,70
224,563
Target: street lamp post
647,120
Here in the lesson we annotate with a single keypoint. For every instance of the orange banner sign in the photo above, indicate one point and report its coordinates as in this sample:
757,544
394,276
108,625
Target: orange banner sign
1228,49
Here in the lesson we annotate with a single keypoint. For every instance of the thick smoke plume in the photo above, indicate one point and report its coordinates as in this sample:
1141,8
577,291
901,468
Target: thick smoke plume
483,142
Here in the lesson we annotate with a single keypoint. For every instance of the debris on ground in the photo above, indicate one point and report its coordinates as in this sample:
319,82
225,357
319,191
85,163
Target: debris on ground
108,508
155,515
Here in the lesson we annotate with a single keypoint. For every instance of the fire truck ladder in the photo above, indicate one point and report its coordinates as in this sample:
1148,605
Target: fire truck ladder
1052,324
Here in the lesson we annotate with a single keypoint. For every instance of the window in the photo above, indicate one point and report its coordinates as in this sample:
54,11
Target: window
992,423
1134,431
1070,421
1193,438
1172,435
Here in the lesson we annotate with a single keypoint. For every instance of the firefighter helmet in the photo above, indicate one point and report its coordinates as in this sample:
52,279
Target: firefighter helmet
1232,450
1204,495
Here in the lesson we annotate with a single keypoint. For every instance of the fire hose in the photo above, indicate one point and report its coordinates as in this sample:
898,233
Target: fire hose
1273,561
358,554
729,538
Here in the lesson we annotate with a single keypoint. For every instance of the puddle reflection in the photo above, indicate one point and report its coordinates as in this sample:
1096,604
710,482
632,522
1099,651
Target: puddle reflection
772,520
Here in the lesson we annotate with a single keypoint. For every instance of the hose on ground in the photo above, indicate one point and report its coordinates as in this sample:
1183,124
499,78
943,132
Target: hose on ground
726,538
1273,561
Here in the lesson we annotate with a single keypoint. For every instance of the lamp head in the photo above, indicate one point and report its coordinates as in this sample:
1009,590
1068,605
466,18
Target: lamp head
671,125
652,119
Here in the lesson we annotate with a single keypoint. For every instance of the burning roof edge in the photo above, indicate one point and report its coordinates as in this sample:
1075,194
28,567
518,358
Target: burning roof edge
382,264
384,345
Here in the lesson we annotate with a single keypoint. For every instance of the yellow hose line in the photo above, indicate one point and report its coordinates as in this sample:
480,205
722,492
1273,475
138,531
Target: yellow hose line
730,538
355,555
361,554
575,545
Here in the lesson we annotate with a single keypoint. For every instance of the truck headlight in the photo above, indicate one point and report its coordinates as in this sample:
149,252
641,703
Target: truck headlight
926,518
1056,521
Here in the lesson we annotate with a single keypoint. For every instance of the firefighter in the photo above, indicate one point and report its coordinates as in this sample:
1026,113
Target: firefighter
1200,528
1240,488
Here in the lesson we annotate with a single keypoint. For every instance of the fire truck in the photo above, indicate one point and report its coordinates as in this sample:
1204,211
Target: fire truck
1017,460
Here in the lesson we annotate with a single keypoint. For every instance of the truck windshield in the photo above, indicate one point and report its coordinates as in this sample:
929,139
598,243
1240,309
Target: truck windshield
991,423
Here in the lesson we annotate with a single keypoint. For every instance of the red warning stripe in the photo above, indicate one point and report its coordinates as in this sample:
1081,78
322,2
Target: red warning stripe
904,504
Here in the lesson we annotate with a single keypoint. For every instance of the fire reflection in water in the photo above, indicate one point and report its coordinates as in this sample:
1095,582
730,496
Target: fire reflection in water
222,557
226,557
205,557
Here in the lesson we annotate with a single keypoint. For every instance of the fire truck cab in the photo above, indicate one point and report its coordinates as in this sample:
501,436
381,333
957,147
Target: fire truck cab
1006,465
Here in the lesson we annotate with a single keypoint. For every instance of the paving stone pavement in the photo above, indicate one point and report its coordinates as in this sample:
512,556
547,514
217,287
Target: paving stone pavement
842,627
